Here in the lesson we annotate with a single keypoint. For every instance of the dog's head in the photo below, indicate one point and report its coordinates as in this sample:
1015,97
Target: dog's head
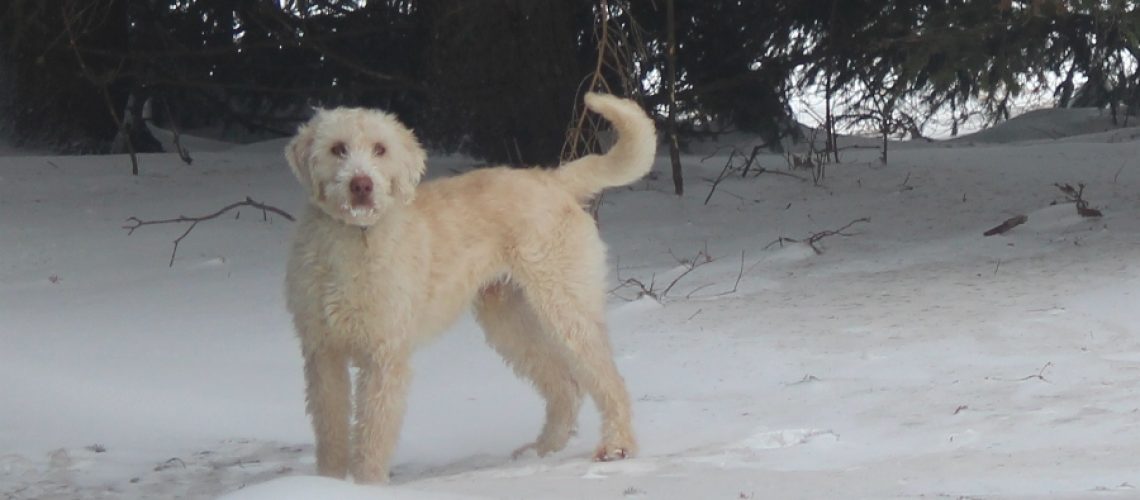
356,163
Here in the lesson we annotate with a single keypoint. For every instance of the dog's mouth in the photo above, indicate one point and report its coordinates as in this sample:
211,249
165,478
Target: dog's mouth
354,211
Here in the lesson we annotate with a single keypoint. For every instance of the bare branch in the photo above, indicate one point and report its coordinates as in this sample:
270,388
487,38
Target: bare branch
643,290
183,153
616,54
813,239
735,286
693,265
134,223
730,167
780,241
1009,223
816,237
701,258
723,174
1077,196
1040,375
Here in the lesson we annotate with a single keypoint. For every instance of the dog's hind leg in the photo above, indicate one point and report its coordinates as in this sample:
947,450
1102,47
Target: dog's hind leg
381,398
514,331
568,299
328,397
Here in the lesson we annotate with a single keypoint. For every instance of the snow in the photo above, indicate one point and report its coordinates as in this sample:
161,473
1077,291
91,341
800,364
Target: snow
912,358
1047,124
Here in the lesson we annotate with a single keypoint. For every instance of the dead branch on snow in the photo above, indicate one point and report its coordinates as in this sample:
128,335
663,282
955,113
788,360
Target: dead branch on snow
1076,195
134,223
816,237
1009,223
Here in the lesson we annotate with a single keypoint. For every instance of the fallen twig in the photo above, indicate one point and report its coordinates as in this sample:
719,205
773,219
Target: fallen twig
643,289
1077,196
808,378
780,241
649,290
699,260
1040,375
134,223
813,239
1009,223
735,286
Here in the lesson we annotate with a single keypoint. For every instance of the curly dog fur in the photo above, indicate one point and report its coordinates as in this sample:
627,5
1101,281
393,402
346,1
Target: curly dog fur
382,263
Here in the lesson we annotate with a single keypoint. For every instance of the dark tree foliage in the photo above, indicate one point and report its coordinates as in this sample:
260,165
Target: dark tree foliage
504,75
259,65
499,78
952,51
51,100
733,73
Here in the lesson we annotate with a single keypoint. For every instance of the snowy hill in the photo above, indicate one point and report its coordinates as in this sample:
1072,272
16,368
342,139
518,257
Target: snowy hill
912,358
1045,124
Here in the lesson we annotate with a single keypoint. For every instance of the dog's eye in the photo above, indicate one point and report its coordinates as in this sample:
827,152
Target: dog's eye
339,149
378,149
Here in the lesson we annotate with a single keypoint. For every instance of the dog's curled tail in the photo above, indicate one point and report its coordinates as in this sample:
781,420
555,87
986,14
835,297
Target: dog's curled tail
628,160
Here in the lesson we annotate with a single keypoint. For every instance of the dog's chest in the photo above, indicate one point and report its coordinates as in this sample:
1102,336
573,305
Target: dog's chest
361,296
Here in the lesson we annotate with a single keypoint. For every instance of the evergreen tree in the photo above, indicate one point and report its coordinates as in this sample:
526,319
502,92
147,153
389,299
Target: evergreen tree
59,96
499,78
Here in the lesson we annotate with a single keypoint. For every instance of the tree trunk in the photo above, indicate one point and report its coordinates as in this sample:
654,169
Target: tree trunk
832,136
886,130
829,121
671,77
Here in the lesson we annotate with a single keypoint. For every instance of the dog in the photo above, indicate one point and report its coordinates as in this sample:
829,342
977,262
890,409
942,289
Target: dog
381,263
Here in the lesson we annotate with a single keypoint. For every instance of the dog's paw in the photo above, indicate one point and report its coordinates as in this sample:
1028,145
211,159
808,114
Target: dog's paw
521,450
370,474
539,448
607,453
547,443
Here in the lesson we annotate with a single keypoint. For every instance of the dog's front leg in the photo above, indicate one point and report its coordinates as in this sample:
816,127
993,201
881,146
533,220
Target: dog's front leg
329,404
381,396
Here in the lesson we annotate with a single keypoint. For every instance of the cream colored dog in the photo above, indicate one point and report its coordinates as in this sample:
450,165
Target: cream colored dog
380,265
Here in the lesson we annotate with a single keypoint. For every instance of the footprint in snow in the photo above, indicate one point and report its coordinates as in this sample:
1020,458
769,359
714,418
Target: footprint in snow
770,440
745,452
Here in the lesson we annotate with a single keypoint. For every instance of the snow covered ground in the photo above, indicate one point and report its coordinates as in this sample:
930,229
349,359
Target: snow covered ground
914,358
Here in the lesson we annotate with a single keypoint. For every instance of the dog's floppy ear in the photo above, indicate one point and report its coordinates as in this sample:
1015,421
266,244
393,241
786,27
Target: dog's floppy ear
414,165
297,153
